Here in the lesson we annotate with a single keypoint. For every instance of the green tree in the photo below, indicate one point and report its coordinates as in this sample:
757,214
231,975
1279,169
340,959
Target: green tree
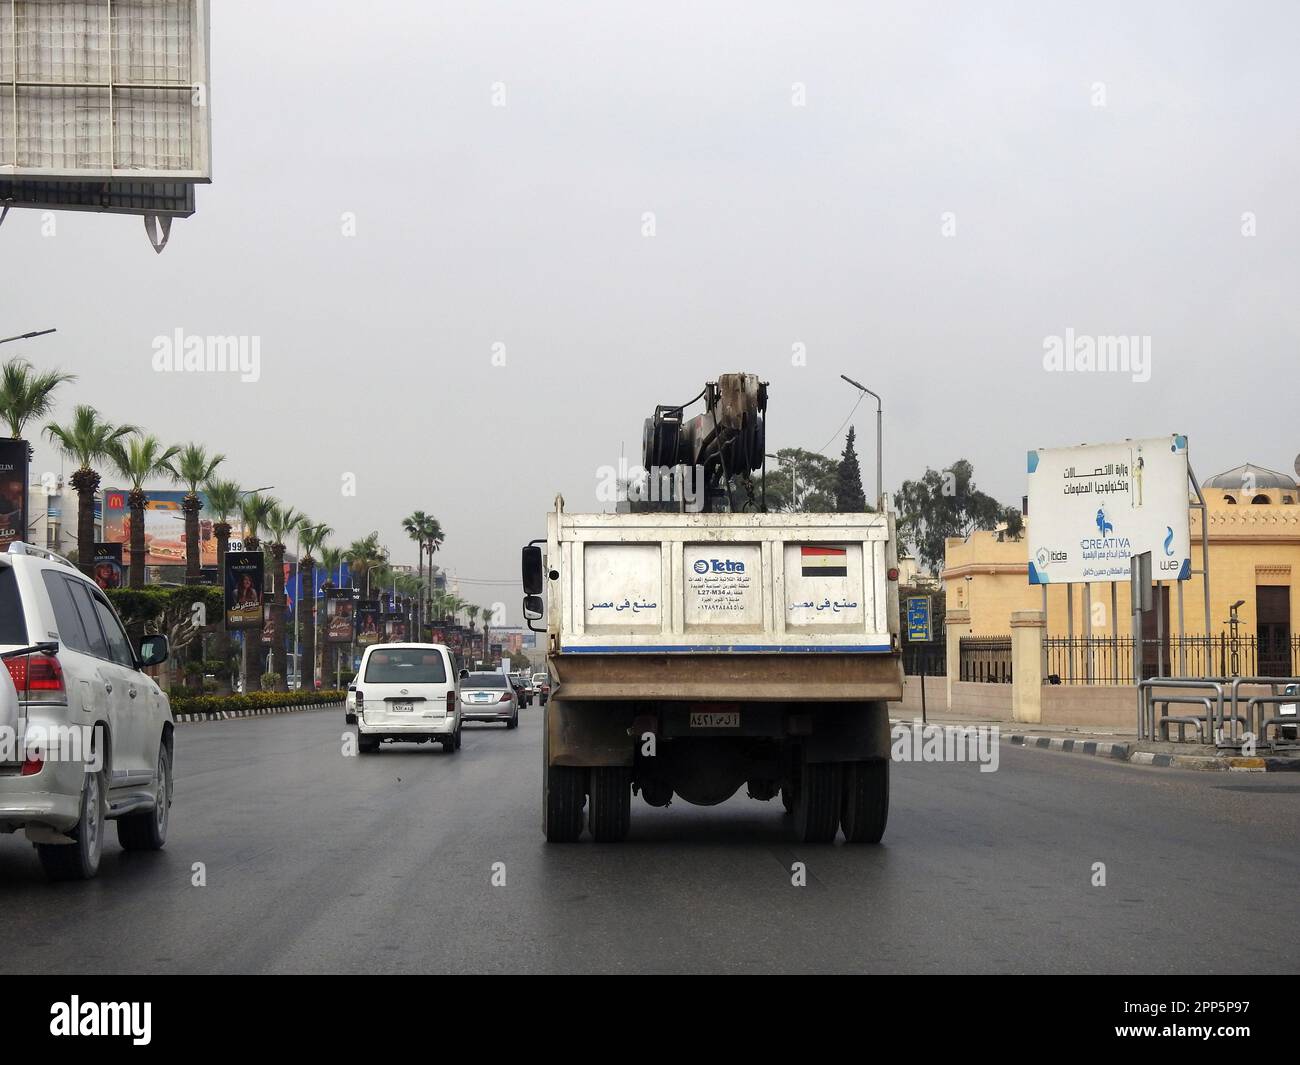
282,522
803,482
311,538
193,467
26,394
86,440
849,497
223,504
253,511
941,504
139,459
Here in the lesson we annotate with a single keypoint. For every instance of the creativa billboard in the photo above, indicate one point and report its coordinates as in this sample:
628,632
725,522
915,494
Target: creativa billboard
1091,508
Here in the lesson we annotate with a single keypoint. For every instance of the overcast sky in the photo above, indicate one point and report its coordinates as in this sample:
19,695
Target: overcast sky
1095,159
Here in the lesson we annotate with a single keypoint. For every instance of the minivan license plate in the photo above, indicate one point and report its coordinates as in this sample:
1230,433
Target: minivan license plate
403,708
730,719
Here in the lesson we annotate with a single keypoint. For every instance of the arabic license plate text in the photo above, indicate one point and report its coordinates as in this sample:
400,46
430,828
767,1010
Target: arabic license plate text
403,708
730,719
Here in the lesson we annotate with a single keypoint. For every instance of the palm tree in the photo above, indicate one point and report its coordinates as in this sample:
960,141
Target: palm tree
140,459
26,394
86,440
282,522
253,510
361,555
331,560
223,503
311,538
193,467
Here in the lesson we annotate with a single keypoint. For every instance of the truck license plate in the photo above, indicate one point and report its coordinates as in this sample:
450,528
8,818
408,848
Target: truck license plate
730,719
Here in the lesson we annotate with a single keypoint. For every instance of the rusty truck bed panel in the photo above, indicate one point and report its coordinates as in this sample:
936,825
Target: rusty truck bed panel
730,677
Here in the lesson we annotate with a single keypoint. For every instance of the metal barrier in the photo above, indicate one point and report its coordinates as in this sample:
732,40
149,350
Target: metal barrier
1230,717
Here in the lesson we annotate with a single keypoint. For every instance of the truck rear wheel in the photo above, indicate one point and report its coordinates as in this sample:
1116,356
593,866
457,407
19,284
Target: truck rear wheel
866,801
817,803
564,795
610,816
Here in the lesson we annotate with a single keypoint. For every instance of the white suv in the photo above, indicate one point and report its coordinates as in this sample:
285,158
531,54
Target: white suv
85,735
406,691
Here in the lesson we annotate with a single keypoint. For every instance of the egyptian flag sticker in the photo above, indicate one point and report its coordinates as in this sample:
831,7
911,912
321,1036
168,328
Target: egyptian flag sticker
824,561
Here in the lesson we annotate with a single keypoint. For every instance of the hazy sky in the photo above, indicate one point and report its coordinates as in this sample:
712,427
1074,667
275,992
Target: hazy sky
775,225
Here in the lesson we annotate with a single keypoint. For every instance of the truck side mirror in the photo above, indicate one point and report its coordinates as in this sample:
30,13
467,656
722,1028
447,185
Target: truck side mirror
532,566
533,608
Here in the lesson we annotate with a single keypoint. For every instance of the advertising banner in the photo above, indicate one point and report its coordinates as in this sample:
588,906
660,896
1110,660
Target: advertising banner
368,631
1091,508
340,615
13,492
394,628
244,582
108,566
164,527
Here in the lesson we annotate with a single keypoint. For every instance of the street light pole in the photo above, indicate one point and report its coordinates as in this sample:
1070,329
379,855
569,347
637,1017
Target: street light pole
28,336
880,480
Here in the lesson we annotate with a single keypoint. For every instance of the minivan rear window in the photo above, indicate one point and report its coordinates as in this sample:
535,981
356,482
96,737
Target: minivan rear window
13,626
406,665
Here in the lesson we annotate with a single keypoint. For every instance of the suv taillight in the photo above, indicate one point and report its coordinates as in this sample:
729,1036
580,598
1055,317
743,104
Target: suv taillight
451,701
36,673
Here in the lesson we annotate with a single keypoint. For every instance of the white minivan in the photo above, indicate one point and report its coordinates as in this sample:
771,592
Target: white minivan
407,692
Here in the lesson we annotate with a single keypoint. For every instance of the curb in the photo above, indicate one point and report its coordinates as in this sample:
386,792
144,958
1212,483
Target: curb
227,715
1124,752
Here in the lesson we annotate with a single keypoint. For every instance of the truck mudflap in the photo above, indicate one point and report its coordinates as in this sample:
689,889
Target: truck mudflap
833,676
589,733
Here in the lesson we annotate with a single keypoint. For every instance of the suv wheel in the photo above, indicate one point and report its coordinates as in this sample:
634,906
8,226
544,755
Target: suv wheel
79,860
148,831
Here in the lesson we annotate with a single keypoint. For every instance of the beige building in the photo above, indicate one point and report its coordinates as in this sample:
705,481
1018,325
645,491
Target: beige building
1254,548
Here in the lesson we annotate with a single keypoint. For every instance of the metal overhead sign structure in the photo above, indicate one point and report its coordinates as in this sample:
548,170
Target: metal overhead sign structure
104,107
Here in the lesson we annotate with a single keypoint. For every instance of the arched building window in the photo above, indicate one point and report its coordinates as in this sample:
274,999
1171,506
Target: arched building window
1262,500
1230,500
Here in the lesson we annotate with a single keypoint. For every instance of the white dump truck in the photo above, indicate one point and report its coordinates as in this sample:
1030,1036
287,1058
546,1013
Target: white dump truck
691,654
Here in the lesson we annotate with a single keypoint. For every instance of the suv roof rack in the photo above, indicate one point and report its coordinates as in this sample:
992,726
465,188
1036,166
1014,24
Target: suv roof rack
18,547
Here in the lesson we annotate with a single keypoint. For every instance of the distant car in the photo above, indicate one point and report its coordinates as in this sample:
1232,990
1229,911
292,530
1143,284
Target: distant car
72,668
406,692
521,690
489,697
350,705
542,682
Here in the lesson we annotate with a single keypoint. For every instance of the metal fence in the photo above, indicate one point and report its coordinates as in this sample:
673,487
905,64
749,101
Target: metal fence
925,659
1110,659
986,659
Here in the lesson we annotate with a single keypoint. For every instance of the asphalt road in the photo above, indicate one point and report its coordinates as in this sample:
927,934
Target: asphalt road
319,863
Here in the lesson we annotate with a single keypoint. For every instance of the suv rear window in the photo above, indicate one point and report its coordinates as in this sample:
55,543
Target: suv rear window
485,680
406,665
13,626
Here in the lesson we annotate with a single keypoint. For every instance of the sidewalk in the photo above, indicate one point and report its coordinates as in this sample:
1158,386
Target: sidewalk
1122,745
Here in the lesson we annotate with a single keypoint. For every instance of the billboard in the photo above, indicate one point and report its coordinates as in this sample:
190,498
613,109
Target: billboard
368,630
340,615
13,492
394,627
244,583
114,93
1091,508
164,527
108,566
